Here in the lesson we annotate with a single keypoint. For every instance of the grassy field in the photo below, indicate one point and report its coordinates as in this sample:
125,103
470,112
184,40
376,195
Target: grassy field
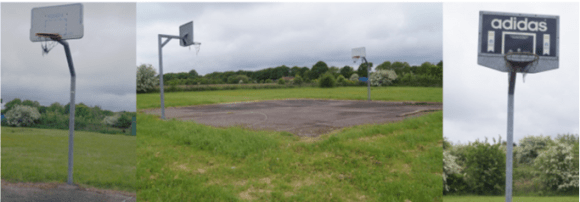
181,161
174,99
41,155
514,199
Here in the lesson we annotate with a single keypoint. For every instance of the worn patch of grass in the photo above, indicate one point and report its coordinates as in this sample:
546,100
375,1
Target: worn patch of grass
181,161
175,99
514,199
41,155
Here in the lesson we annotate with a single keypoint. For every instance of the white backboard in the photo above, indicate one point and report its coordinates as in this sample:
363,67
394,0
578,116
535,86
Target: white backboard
359,52
186,34
66,20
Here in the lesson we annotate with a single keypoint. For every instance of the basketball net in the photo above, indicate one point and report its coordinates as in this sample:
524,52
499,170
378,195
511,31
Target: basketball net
49,42
355,58
521,62
197,46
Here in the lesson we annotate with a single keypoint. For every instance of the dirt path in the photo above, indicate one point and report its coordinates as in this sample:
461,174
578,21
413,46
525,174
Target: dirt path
60,192
300,117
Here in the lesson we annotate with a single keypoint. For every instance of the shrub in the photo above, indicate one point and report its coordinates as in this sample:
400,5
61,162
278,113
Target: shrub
354,77
383,77
485,167
124,121
111,120
529,148
340,79
146,79
22,115
281,81
557,168
268,81
298,80
327,81
450,167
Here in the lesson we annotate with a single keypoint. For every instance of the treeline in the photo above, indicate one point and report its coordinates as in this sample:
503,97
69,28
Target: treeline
541,166
426,74
30,113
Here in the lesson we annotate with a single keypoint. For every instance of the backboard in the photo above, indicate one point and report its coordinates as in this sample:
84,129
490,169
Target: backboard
500,33
65,20
358,53
186,34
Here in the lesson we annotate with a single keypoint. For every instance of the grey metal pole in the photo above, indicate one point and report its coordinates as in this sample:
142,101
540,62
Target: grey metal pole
368,79
71,123
161,77
510,137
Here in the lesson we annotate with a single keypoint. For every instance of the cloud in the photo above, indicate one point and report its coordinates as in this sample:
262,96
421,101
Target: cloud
252,36
104,59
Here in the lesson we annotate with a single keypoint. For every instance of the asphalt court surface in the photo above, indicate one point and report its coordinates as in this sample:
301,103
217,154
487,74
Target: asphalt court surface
49,192
300,117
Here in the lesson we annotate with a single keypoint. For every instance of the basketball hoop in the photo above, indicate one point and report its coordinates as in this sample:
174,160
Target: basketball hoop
52,37
521,62
197,46
355,58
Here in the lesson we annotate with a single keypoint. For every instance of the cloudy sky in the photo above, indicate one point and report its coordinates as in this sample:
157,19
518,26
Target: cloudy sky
475,97
253,36
104,58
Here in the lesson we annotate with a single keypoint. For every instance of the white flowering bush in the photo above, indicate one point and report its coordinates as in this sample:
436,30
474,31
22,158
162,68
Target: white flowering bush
556,167
450,167
529,147
146,79
22,115
383,77
111,120
354,77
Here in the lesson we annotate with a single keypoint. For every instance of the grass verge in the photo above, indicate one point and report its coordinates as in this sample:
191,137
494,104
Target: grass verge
175,99
180,161
41,155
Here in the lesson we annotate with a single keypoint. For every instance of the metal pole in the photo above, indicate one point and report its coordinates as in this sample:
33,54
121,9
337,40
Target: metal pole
368,79
71,123
161,77
510,137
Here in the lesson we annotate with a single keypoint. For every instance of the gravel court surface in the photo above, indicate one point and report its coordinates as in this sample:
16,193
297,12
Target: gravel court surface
302,117
45,192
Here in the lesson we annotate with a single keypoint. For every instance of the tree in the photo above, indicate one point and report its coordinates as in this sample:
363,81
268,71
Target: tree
297,80
9,105
193,74
354,77
146,79
384,66
559,171
318,69
362,69
334,70
21,115
346,71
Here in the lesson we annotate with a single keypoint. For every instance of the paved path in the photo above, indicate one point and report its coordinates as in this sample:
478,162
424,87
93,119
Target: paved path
303,117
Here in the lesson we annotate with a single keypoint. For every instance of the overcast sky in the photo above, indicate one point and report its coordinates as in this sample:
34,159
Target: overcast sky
253,36
104,58
475,97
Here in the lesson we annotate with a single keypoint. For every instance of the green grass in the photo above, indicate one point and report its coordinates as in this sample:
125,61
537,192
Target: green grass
514,199
41,155
174,99
183,161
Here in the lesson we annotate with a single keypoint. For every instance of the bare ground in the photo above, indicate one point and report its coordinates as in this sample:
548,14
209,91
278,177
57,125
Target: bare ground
303,117
54,191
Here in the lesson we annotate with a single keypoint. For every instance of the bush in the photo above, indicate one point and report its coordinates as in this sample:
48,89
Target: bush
383,77
124,121
354,77
450,167
146,79
22,115
281,81
111,120
298,80
340,79
485,168
268,81
529,148
327,81
557,168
